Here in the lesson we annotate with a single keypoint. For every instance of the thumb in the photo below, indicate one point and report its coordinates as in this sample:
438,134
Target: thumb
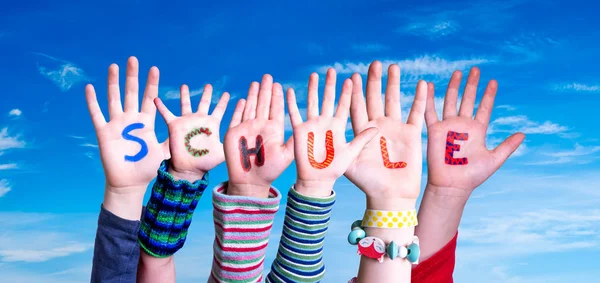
506,148
165,148
288,150
362,139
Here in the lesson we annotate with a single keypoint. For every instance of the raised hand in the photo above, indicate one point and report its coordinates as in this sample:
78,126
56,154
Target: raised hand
389,168
457,157
322,154
129,149
194,137
254,144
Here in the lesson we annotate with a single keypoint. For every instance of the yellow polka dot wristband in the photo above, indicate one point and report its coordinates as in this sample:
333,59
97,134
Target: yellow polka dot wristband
390,219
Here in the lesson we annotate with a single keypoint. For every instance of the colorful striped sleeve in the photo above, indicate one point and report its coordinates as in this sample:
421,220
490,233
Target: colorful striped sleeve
242,228
300,255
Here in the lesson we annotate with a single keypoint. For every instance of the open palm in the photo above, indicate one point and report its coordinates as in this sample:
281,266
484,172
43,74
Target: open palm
390,165
259,120
322,153
129,149
469,163
194,137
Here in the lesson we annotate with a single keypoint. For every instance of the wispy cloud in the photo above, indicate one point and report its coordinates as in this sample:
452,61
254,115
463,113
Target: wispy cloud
576,87
62,73
76,137
431,29
578,155
369,47
507,107
218,89
30,255
529,46
89,145
15,113
4,187
9,166
8,141
426,65
521,123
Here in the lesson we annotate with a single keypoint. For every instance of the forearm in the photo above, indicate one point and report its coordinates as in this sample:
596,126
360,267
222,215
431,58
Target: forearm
166,221
242,228
300,254
439,217
397,270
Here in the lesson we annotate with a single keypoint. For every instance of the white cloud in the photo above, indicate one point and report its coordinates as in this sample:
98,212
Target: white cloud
4,187
9,142
577,87
89,155
31,255
432,29
63,74
8,166
76,137
218,89
506,107
426,65
15,112
578,155
369,47
578,151
529,46
521,123
89,145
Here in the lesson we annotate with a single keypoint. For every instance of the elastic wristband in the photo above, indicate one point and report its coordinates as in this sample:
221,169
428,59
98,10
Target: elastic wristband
168,214
389,219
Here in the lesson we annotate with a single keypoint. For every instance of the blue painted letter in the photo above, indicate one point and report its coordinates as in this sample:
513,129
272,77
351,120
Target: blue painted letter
143,151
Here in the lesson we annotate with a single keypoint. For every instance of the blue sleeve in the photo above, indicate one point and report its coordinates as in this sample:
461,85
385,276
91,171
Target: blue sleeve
116,249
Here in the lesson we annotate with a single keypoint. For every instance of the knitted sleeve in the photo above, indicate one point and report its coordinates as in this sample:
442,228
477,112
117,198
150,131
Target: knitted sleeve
169,212
300,254
242,228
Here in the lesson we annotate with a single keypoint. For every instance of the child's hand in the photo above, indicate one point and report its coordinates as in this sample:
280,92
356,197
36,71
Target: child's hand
457,157
254,144
194,137
389,168
129,149
322,154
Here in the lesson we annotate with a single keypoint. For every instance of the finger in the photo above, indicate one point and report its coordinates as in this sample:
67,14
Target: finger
236,118
250,104
358,107
264,97
374,103
506,148
431,116
277,112
184,99
313,97
221,106
484,112
392,93
452,95
470,94
151,92
362,139
114,94
205,100
164,111
329,93
295,117
345,100
418,108
95,111
131,85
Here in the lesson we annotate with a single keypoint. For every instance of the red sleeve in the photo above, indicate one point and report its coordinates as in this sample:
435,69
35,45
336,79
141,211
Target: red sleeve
439,267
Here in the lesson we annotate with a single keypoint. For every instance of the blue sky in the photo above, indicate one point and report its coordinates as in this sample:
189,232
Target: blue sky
536,220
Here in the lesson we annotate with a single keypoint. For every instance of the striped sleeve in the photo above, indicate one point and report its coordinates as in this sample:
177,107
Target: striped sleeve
242,228
300,254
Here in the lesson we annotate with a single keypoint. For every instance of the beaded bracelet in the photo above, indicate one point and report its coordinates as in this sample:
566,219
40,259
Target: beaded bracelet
373,247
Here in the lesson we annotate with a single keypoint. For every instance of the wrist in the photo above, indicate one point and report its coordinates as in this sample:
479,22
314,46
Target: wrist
391,203
248,190
314,188
446,198
190,176
124,205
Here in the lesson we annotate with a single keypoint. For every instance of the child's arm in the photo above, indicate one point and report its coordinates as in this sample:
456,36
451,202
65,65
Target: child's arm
322,156
388,171
195,149
130,155
458,161
245,206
